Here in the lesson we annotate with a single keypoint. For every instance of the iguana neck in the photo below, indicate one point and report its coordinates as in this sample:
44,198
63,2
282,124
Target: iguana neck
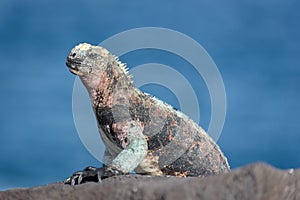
110,81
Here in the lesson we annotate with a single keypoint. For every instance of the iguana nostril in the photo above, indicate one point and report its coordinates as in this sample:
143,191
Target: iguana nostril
73,55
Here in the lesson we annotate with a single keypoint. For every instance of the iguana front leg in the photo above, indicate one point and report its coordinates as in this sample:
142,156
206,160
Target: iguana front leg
131,138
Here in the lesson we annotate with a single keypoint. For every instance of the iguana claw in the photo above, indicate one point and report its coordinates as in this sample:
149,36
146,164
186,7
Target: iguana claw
91,174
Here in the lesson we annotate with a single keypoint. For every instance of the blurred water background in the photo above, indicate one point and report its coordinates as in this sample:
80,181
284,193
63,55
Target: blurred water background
255,44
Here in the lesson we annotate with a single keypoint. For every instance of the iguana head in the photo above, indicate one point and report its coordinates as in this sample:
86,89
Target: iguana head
90,63
86,59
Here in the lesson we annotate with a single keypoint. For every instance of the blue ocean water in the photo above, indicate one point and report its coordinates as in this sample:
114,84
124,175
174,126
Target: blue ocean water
255,45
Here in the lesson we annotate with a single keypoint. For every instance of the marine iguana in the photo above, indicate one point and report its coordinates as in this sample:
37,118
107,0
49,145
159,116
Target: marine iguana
140,132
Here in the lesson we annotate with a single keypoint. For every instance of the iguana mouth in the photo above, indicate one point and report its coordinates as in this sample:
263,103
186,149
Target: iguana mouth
73,65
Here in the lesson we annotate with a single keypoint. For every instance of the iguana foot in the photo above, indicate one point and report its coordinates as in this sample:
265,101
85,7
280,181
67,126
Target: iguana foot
92,174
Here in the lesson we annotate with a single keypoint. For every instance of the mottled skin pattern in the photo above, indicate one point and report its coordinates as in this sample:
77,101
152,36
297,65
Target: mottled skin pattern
141,133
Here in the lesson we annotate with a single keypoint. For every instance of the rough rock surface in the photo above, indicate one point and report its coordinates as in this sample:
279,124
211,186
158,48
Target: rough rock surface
256,181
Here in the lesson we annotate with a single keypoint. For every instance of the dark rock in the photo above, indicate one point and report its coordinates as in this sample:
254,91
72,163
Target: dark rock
257,181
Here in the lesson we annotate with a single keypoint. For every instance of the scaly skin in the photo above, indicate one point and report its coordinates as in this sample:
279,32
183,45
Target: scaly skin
140,132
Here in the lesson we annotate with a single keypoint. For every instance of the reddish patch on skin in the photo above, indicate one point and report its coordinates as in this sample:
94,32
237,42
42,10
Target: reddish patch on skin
181,174
121,131
170,137
174,123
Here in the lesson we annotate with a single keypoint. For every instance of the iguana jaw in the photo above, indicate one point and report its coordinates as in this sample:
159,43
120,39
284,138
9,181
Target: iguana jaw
73,71
72,65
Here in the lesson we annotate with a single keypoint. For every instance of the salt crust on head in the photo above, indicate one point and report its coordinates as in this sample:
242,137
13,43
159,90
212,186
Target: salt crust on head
83,47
